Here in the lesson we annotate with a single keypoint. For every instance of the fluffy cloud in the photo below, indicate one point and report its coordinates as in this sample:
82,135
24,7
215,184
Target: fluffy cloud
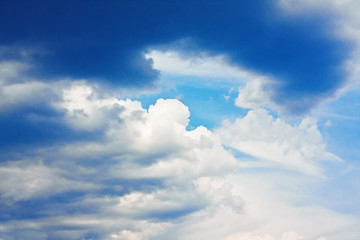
149,177
158,134
261,135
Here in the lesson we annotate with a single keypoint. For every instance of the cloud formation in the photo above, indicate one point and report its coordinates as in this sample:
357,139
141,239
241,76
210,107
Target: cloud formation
147,176
261,135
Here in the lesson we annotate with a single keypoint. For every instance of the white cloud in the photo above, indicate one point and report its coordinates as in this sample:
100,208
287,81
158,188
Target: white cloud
15,89
135,130
203,156
253,94
262,213
267,213
194,171
208,70
24,180
212,70
127,235
260,135
201,193
84,110
133,133
291,236
202,65
21,93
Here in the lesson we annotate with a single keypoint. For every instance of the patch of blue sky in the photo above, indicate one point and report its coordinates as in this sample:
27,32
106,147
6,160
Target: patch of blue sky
209,101
342,182
339,123
339,120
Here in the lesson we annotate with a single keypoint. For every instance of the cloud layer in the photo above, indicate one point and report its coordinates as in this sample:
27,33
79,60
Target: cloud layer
146,176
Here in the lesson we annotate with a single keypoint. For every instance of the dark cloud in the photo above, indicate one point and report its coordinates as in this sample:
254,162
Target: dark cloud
106,40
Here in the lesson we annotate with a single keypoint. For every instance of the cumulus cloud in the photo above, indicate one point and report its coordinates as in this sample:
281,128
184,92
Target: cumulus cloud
149,177
151,144
138,131
158,133
196,198
260,135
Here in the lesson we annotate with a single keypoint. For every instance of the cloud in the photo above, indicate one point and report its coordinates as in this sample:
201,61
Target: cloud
268,212
15,89
291,236
127,235
263,213
21,93
152,143
25,180
217,68
84,110
259,134
253,95
142,174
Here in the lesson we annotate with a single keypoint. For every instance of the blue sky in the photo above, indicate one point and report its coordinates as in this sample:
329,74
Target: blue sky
180,120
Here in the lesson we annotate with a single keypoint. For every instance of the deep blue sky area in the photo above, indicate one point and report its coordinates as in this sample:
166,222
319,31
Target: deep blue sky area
106,40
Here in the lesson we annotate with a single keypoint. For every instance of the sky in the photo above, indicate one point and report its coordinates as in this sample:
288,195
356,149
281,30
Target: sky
154,120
